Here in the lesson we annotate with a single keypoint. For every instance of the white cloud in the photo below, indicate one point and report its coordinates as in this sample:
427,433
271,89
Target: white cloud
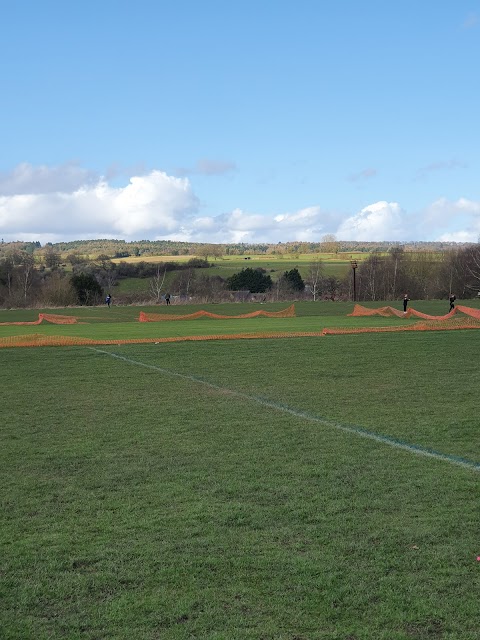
443,220
149,206
457,236
378,221
362,175
28,179
240,226
207,167
51,204
455,221
449,165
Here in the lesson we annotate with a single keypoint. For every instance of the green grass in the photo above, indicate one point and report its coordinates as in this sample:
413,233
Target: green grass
336,265
122,322
137,503
248,260
275,267
142,285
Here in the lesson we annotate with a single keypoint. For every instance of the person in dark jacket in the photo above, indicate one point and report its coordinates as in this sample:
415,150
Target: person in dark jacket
406,300
452,299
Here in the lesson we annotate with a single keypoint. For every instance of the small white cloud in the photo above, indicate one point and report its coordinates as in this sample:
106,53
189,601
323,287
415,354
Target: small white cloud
362,175
456,236
471,20
447,165
376,222
207,167
463,204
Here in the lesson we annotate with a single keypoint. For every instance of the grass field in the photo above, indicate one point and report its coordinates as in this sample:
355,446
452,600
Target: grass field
292,489
257,259
333,265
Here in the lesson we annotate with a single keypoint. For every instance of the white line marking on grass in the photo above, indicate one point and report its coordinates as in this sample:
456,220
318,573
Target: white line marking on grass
358,431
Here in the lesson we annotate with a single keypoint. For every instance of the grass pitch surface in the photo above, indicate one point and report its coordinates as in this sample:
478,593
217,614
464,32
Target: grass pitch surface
202,490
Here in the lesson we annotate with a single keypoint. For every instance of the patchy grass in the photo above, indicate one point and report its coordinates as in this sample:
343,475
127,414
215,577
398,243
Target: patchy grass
200,490
120,323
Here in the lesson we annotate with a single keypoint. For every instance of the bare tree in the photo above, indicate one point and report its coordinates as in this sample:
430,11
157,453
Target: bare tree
25,275
183,282
421,268
473,265
51,257
107,275
58,291
156,283
395,266
370,271
330,243
332,287
314,278
206,250
209,288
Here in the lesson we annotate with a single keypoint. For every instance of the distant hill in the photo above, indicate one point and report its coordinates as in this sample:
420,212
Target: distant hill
123,249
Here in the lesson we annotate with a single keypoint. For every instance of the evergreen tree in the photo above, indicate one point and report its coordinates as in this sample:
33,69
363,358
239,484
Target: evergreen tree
294,280
253,280
87,288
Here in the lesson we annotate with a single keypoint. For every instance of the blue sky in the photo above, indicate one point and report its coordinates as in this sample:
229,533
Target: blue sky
215,121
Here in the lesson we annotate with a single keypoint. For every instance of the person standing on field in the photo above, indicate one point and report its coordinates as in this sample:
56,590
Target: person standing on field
406,300
452,299
167,298
108,300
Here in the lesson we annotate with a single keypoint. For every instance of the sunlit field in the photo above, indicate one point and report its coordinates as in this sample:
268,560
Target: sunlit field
253,259
287,488
336,265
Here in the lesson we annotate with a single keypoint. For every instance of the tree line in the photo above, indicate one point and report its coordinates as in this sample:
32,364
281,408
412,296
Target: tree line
88,249
380,276
421,275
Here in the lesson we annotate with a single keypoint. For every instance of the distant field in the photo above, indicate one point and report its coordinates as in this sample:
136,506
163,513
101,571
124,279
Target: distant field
310,488
139,285
276,268
334,265
268,258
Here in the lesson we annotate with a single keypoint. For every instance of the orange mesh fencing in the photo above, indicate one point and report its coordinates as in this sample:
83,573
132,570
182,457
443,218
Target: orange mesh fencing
58,319
48,317
437,325
39,340
289,312
434,323
386,312
469,311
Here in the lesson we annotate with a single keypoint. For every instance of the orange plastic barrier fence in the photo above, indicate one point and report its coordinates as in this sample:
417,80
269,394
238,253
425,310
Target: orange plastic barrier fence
48,317
39,340
435,323
438,325
386,312
289,312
